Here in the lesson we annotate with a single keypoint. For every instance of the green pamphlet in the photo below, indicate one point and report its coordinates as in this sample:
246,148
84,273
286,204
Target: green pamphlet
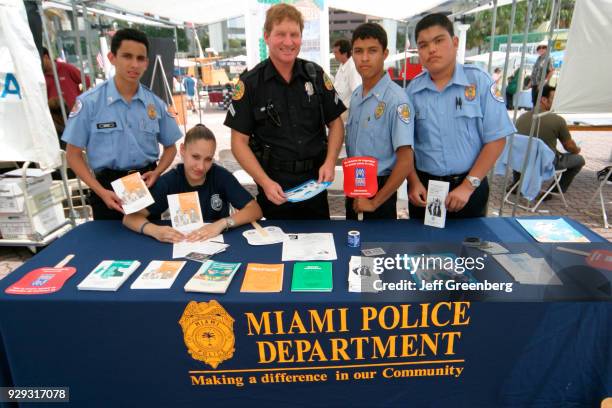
312,277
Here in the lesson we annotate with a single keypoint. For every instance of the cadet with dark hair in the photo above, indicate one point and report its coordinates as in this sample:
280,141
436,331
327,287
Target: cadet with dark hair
217,188
278,116
120,124
460,127
379,124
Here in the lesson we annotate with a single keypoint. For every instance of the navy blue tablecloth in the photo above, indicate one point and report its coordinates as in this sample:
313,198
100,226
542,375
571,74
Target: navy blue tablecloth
536,346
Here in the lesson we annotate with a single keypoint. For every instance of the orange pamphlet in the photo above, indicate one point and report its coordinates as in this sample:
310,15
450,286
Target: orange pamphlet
263,278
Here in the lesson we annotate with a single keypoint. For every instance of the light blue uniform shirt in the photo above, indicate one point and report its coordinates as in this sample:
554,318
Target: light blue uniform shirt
379,123
452,125
118,135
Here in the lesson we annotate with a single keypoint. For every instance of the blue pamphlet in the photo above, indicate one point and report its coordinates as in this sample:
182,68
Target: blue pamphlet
306,190
557,230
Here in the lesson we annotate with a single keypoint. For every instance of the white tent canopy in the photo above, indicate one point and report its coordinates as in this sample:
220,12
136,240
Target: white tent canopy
584,85
131,18
26,128
209,11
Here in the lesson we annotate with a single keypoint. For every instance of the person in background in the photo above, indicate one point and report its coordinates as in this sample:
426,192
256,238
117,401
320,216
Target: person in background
189,83
69,79
550,128
538,67
347,78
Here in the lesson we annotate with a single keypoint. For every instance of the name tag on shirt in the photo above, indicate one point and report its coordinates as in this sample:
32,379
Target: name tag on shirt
106,125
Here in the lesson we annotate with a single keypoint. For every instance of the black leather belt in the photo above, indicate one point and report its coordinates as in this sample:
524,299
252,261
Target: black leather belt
111,174
453,179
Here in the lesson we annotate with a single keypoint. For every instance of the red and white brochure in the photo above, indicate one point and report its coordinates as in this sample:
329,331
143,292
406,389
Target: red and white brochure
360,176
43,280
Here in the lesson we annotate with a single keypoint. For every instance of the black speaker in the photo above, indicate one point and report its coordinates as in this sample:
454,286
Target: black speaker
165,48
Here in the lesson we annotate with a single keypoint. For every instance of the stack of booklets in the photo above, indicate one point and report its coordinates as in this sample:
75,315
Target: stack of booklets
108,275
212,277
361,277
158,275
312,277
263,278
528,270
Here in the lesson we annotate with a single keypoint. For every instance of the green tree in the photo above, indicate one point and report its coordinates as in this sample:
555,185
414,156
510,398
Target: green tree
159,32
540,13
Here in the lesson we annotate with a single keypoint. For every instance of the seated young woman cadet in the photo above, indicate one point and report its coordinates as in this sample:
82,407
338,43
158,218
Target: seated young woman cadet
217,188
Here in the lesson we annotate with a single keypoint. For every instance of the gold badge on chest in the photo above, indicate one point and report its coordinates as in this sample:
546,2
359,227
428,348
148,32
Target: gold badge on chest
380,109
151,111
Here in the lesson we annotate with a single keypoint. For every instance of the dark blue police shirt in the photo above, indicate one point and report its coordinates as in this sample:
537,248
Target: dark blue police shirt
220,189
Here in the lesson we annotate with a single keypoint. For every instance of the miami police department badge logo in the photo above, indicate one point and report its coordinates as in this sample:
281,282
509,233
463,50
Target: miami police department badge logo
76,109
496,93
151,111
470,92
329,85
380,109
238,91
215,202
403,111
208,332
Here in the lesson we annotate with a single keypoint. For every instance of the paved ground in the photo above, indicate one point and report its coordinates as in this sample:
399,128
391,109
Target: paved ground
596,147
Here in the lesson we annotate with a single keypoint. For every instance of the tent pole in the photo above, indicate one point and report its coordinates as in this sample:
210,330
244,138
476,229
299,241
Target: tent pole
52,58
503,92
92,69
492,42
77,43
535,118
519,86
405,73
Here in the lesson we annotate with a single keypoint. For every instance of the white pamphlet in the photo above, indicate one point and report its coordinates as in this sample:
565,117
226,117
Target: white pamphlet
133,193
361,276
208,247
185,211
309,247
435,210
274,235
108,275
158,275
527,270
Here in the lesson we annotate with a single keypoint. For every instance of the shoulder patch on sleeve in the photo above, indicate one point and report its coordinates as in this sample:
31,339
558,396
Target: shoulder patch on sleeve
496,94
78,105
403,112
329,85
238,91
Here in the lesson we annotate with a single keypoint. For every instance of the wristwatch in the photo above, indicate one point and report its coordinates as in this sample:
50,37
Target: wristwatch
229,223
474,181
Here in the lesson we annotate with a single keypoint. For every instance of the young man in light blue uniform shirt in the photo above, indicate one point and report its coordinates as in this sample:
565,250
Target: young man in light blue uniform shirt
460,123
380,124
120,125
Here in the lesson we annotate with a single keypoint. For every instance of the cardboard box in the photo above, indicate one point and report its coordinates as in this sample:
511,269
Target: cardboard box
18,226
12,188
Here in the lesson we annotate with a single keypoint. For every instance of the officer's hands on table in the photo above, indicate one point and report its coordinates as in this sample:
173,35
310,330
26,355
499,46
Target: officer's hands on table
206,232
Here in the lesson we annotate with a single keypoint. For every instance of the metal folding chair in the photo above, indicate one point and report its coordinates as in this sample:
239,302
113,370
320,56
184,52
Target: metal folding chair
533,208
605,181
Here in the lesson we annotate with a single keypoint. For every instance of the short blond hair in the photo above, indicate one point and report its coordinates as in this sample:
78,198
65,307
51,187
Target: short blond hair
277,13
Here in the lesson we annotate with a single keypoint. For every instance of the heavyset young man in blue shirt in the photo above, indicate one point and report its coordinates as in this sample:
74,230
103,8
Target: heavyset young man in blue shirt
460,123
